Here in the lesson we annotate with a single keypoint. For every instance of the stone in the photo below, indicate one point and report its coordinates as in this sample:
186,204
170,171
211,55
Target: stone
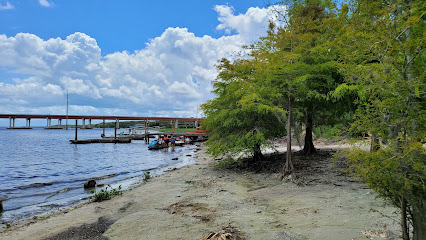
90,184
1,202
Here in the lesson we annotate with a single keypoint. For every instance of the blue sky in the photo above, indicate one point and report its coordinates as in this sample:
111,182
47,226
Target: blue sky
116,25
131,57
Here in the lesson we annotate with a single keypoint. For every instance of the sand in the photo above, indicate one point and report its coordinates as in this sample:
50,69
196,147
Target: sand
190,202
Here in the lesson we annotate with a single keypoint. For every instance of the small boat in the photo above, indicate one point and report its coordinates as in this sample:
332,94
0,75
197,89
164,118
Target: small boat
179,142
155,145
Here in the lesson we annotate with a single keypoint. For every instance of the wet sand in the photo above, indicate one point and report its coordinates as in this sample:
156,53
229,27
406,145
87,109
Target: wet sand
188,203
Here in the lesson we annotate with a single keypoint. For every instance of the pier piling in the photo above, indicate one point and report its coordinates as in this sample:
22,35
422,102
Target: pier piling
115,129
76,127
103,126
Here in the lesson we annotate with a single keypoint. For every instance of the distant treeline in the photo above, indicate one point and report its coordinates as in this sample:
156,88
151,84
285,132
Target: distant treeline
128,124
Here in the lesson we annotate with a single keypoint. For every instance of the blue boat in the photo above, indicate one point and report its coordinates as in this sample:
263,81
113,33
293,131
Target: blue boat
155,145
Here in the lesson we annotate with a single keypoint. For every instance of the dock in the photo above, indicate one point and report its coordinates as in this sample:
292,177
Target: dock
102,140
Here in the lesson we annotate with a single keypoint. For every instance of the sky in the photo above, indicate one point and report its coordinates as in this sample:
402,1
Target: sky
129,58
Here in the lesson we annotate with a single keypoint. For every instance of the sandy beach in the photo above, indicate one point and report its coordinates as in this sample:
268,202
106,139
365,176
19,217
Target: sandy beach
321,202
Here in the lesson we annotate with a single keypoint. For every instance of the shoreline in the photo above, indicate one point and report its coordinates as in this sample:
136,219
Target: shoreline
127,184
190,202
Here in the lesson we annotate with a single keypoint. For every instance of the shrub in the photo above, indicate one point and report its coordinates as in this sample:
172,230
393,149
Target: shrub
105,194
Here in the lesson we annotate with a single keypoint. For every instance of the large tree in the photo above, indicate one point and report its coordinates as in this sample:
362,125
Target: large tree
243,117
382,54
305,61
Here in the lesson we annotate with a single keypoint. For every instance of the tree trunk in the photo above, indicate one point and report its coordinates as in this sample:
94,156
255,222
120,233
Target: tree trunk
309,148
289,162
374,144
257,155
404,227
419,223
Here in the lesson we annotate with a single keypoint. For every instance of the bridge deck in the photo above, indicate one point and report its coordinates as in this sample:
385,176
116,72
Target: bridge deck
135,118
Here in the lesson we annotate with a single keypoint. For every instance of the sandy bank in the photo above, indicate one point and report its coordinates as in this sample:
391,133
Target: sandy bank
190,202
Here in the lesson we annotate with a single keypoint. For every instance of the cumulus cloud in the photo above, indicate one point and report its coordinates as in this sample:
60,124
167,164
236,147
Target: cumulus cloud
171,76
6,6
251,25
44,3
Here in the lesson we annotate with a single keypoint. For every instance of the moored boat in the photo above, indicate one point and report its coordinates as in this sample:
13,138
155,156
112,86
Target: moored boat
155,145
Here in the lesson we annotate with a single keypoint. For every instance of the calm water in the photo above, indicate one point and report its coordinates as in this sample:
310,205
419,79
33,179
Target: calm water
42,172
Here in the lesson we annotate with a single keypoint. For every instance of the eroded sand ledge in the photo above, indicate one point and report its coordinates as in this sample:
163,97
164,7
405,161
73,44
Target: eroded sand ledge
189,203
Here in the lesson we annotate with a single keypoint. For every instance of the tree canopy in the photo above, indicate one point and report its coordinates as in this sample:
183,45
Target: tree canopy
359,62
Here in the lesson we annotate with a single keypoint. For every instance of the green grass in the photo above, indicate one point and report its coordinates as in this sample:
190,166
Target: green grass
177,129
106,194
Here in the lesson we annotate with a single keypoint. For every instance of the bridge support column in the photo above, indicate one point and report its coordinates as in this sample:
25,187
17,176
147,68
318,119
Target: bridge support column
117,124
176,123
49,123
90,123
59,123
28,123
11,122
83,124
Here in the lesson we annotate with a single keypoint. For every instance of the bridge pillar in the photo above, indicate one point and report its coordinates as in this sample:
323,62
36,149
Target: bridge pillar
49,123
28,123
176,123
11,122
90,123
117,124
59,123
83,124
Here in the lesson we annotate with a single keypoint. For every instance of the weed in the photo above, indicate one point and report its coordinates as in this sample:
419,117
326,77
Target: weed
8,225
147,175
106,194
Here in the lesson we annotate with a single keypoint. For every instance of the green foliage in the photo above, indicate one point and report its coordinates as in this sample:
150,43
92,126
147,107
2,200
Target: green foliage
243,117
147,175
293,65
177,130
329,132
303,64
106,194
382,58
394,174
128,124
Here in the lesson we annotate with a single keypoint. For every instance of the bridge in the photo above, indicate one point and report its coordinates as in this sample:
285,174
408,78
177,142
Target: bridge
83,118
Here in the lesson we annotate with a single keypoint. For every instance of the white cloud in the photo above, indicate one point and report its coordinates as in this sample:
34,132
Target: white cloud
172,75
251,25
7,6
44,3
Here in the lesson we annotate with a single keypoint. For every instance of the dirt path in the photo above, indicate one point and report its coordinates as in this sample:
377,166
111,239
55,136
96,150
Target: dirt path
318,203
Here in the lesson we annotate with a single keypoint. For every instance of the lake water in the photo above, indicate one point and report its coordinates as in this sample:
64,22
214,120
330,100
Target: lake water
42,172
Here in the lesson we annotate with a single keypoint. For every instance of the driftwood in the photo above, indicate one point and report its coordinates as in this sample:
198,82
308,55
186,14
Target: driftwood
217,236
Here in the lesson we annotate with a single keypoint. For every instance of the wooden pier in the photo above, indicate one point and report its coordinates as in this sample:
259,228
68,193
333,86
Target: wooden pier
102,140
